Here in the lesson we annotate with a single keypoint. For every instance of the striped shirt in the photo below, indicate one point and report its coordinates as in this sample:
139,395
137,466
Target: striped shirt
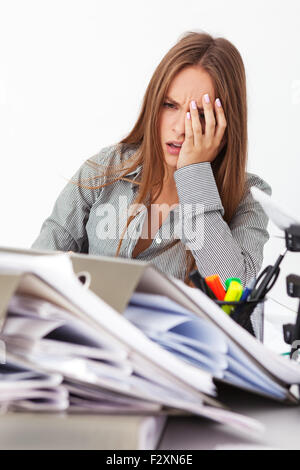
92,220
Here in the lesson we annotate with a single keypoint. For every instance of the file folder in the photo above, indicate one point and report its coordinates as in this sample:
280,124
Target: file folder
116,279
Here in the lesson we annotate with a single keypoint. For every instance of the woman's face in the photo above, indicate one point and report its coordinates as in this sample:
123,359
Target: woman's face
189,84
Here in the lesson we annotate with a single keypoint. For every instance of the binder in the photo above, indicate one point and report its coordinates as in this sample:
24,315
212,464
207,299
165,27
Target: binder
119,276
79,431
115,279
191,399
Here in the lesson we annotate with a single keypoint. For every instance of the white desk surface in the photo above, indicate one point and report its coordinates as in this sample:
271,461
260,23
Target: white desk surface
282,426
282,422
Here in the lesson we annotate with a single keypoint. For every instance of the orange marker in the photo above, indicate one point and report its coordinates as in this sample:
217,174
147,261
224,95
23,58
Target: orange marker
214,282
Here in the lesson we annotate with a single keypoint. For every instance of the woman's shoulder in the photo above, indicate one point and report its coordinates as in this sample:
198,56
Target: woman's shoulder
113,155
105,164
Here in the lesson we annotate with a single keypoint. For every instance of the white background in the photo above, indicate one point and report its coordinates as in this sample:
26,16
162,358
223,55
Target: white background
73,74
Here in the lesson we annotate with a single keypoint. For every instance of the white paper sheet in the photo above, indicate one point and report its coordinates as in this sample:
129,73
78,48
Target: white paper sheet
26,389
29,327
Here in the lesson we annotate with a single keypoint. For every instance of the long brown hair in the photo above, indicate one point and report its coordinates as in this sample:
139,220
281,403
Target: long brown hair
220,58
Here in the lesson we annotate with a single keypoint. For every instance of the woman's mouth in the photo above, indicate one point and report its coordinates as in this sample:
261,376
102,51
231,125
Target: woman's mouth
173,149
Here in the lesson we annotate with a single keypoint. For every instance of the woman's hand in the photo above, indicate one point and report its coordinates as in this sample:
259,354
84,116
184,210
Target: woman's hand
198,147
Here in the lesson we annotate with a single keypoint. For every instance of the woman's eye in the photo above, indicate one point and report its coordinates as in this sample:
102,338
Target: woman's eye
168,105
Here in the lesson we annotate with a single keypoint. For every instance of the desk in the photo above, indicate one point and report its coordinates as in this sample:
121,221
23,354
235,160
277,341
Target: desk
59,431
282,423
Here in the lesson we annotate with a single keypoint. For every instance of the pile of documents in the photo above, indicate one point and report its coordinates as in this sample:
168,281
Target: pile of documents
67,349
26,389
197,342
42,334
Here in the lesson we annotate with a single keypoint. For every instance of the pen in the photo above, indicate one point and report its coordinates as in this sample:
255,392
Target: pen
246,294
248,289
228,281
233,294
243,308
214,282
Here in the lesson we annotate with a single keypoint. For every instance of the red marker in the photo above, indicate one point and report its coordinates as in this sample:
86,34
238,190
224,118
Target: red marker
214,282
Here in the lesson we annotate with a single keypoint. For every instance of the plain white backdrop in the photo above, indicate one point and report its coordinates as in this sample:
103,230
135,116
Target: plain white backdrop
72,78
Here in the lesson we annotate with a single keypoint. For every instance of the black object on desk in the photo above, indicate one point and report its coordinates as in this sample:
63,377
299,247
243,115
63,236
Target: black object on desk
242,314
243,309
263,284
291,333
200,282
292,238
266,280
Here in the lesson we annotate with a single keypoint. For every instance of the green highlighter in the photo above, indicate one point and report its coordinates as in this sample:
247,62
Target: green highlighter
228,281
233,294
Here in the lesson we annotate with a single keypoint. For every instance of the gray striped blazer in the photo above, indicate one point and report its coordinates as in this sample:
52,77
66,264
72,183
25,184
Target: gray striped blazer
92,220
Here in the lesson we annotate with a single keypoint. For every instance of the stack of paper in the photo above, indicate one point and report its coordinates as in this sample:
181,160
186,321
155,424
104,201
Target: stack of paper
26,389
45,335
198,342
56,325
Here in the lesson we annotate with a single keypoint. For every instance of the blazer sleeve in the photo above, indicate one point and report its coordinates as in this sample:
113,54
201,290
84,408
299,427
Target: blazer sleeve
65,228
234,250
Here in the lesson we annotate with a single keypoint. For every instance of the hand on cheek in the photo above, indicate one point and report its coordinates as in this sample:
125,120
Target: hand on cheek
201,147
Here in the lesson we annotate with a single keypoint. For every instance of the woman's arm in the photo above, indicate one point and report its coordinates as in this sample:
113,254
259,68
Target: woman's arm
234,250
64,229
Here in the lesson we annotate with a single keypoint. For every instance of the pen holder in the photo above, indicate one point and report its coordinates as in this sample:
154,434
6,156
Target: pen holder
248,314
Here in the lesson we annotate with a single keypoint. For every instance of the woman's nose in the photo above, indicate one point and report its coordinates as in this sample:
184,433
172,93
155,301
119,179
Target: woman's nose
179,123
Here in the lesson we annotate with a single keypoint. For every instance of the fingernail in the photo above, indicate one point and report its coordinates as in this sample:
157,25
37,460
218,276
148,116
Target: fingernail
188,115
218,102
206,97
194,106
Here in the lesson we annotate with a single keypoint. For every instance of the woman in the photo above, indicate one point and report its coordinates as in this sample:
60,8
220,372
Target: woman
174,191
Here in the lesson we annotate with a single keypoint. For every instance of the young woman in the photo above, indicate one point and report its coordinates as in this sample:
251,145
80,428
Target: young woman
175,191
